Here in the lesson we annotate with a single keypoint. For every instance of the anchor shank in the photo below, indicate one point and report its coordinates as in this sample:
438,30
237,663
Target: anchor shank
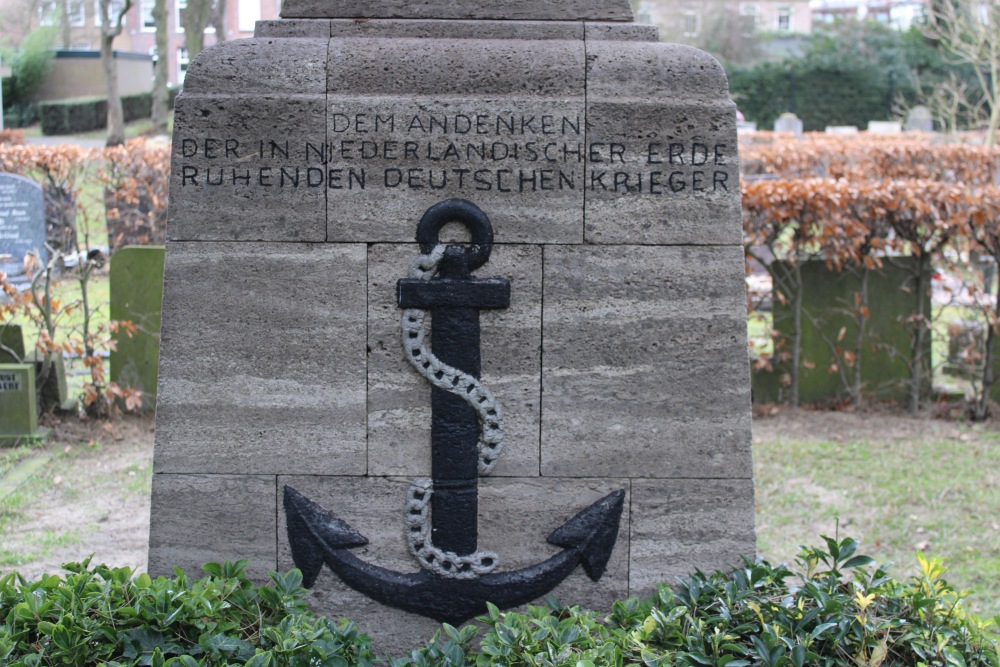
454,434
454,300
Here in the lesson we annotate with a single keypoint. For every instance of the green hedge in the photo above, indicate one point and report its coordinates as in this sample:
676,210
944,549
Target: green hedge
823,95
89,113
835,608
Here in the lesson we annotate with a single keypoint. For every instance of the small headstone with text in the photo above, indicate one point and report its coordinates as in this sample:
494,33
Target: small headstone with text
22,224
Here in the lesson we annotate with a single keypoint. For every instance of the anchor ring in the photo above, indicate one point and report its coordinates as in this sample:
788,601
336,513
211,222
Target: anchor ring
465,212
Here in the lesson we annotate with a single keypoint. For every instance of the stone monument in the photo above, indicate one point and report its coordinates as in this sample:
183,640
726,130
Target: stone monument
454,311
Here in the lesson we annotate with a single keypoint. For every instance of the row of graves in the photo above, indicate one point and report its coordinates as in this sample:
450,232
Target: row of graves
32,381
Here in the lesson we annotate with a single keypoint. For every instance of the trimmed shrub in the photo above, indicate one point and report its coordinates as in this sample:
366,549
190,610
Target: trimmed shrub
105,616
91,113
72,116
834,608
137,106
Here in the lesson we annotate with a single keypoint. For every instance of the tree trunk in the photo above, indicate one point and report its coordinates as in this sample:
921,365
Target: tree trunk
196,19
161,106
116,122
111,27
219,20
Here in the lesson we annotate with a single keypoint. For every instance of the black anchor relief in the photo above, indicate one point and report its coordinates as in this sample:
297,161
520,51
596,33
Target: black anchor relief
455,580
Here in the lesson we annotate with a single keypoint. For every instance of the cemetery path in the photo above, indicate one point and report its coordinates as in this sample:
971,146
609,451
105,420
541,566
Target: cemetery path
90,497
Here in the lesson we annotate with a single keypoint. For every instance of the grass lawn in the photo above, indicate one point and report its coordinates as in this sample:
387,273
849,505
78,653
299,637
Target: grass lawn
898,494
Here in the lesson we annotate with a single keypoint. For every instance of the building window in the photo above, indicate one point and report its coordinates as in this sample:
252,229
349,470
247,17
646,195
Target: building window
48,12
751,16
692,24
784,19
114,6
248,13
146,14
77,13
182,63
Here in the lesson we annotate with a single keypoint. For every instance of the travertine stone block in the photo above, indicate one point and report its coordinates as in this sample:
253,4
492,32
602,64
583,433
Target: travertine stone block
629,32
240,168
661,134
515,518
399,409
680,525
197,519
406,137
262,359
612,10
436,29
293,28
644,370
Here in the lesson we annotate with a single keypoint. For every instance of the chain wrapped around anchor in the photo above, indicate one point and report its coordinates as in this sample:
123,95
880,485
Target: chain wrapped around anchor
472,391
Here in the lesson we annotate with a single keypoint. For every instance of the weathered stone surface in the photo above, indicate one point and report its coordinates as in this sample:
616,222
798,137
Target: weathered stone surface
661,135
198,519
240,168
515,518
259,67
136,279
512,144
293,28
606,10
618,32
436,29
262,359
399,411
645,370
680,525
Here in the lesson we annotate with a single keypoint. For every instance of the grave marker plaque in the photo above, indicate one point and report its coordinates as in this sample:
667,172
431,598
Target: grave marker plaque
22,224
454,311
18,404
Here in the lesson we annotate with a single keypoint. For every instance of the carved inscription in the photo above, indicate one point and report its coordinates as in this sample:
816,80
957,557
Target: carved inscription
10,381
458,152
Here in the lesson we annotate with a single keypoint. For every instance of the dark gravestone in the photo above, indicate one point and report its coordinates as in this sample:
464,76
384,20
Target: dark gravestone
18,411
136,296
22,224
828,297
11,344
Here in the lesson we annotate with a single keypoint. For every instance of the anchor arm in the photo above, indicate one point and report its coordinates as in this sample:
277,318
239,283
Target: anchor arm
588,539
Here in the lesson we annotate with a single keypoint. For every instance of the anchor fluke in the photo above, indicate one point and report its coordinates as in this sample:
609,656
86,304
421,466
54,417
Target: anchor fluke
312,531
593,531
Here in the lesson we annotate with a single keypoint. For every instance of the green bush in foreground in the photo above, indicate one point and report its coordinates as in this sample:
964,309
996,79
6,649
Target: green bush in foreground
835,608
